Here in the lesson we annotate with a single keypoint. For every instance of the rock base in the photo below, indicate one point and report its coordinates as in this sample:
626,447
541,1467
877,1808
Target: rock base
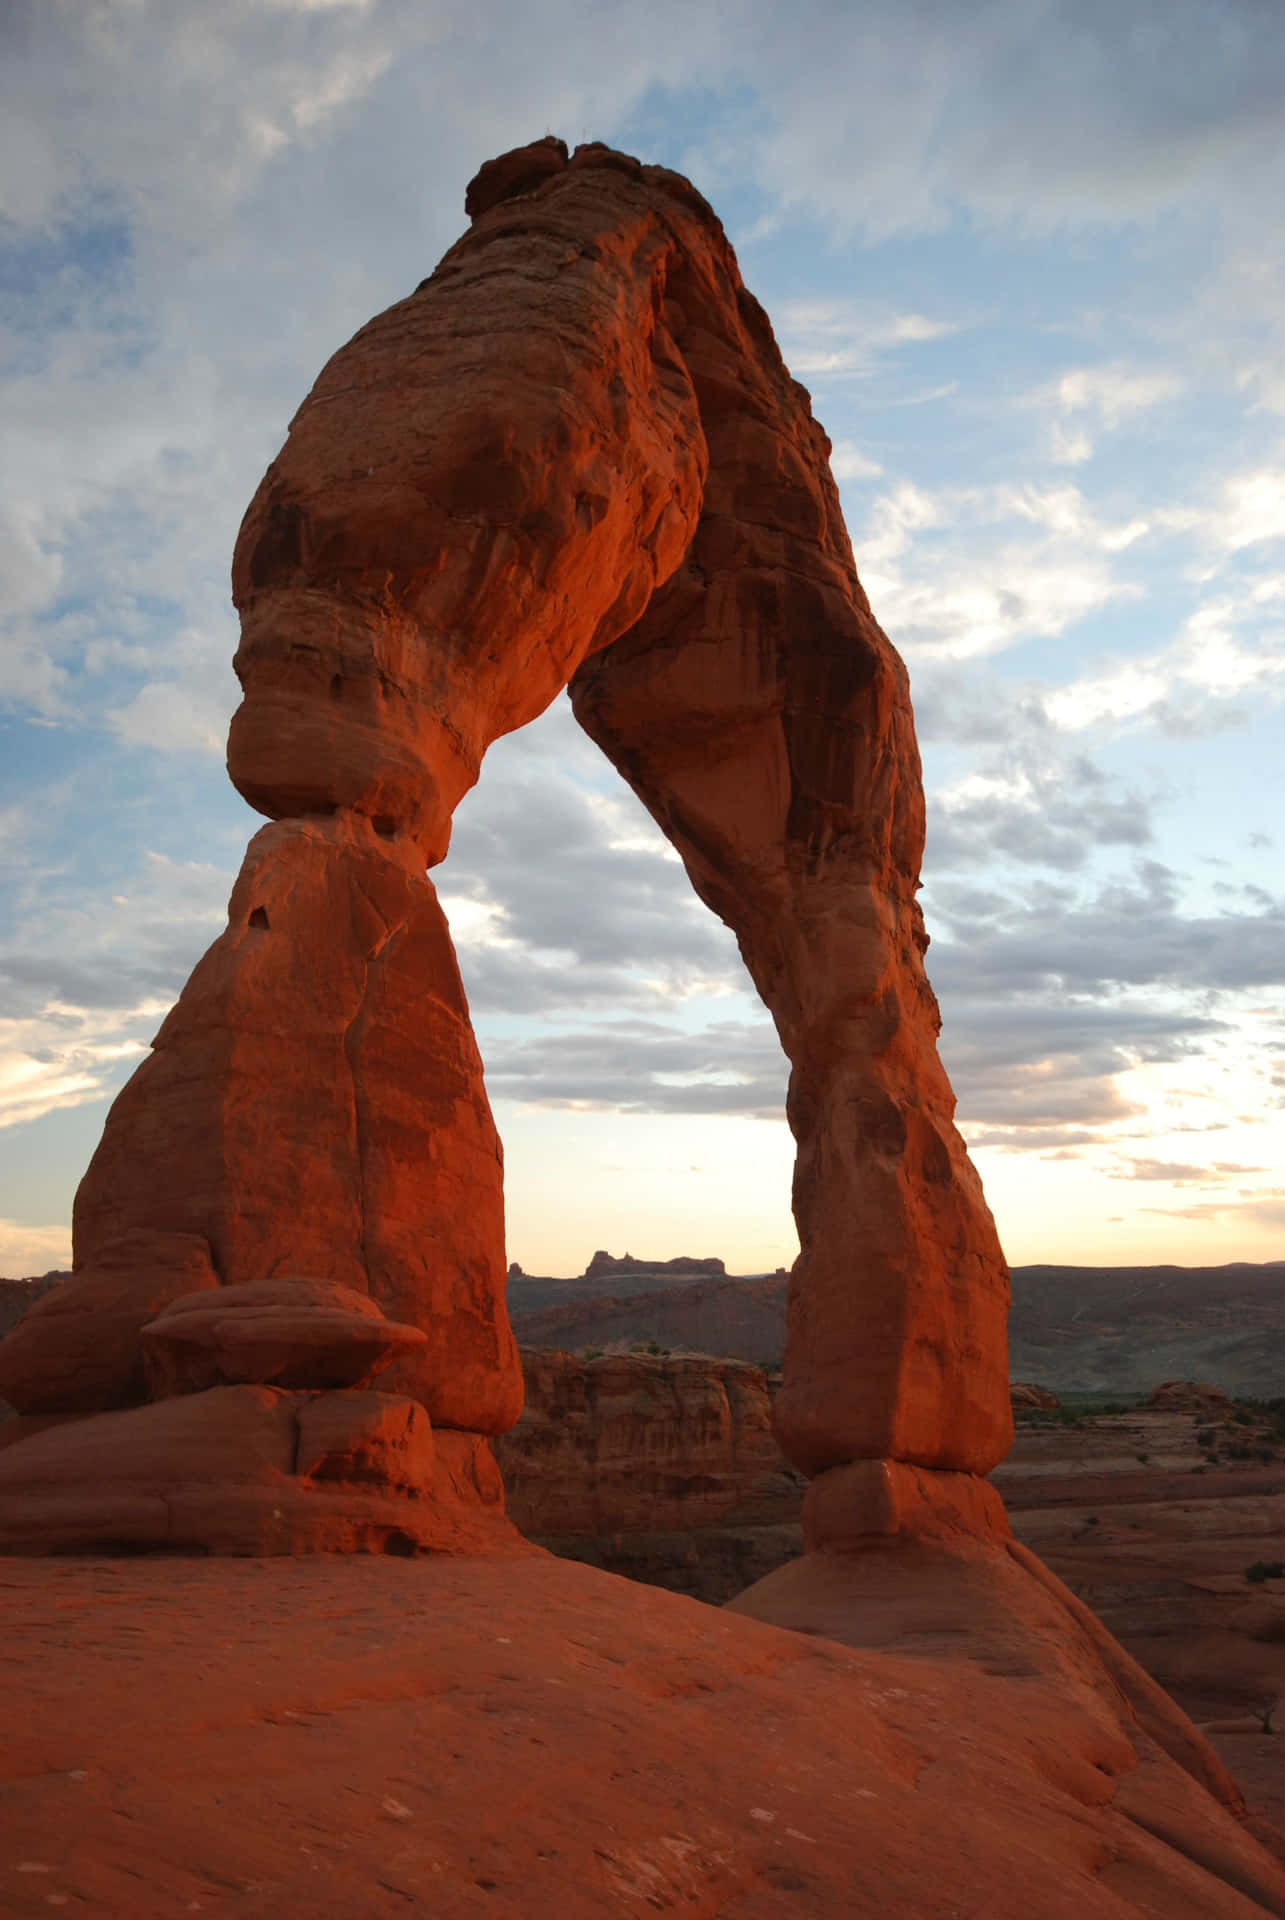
252,1470
868,1500
450,1736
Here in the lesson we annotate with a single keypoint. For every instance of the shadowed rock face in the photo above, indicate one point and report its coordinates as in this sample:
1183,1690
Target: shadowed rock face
572,457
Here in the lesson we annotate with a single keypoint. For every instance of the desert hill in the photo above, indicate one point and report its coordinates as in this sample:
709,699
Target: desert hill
1116,1330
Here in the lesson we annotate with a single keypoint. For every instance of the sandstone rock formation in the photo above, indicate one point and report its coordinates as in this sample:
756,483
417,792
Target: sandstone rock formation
1026,1397
280,1333
633,1443
572,457
78,1349
1189,1396
253,1470
606,1266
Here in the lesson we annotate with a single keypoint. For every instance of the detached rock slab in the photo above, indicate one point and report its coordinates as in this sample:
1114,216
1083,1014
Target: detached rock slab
295,1333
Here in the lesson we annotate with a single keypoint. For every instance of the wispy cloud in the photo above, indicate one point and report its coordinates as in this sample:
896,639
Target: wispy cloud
1084,402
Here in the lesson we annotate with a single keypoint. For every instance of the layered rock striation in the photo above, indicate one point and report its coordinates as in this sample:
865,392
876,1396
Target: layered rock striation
633,1443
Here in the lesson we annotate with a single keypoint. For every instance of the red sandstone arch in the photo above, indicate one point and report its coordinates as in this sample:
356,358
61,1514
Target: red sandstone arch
575,457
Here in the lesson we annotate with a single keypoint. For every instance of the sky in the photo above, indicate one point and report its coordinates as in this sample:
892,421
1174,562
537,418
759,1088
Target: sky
1029,258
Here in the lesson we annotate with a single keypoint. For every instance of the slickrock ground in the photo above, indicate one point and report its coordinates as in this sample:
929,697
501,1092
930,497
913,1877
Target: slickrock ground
646,1467
1158,1547
339,1737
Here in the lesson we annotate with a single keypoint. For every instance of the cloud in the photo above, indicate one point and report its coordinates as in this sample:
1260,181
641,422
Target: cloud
1177,1172
630,1066
850,338
1127,932
86,985
1102,397
1057,112
1036,807
971,571
202,203
581,899
1230,647
27,1252
848,462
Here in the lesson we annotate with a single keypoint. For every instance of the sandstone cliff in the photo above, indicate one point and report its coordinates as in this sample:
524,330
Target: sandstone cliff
635,1443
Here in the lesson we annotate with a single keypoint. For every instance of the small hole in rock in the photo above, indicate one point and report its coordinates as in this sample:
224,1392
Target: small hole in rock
337,686
259,918
402,1544
384,826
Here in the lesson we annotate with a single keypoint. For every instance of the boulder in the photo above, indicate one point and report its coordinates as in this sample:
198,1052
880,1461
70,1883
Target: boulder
283,1333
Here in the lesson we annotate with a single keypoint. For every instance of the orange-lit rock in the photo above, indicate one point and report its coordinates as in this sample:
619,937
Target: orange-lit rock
1189,1396
572,456
78,1348
276,1333
314,1104
254,1470
531,1740
1026,1397
357,1438
576,447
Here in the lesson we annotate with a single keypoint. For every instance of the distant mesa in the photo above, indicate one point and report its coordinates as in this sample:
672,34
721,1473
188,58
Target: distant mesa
604,1265
1026,1397
1189,1396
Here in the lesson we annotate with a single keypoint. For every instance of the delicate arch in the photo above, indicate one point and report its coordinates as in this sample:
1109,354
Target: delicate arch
572,457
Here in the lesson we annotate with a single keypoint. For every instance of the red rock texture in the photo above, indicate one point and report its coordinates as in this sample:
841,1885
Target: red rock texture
575,454
278,1333
254,1470
78,1349
572,456
314,1102
17,1297
866,1500
531,1740
628,1444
